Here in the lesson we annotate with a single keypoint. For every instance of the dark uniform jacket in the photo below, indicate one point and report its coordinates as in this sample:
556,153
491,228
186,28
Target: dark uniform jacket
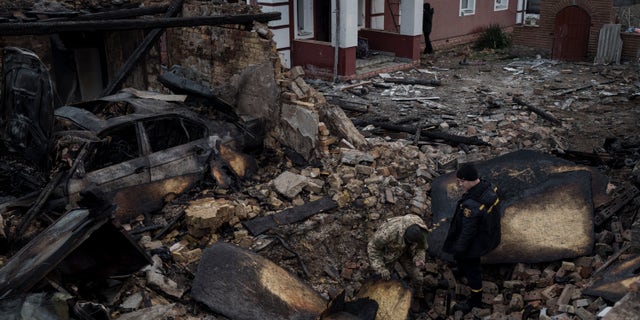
475,227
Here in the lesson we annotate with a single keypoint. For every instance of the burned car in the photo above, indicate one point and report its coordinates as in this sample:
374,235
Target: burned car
146,149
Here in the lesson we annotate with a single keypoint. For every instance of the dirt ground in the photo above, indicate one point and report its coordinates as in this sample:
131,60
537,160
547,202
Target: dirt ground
606,109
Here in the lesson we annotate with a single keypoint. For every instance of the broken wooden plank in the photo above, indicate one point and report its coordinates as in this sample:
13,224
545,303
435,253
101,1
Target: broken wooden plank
620,198
355,85
586,86
259,225
414,81
415,99
37,206
536,110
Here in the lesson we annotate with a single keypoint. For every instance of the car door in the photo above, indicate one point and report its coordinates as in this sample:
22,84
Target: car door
179,152
115,164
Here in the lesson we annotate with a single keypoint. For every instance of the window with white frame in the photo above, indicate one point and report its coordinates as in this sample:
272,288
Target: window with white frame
467,7
361,14
528,12
304,19
500,5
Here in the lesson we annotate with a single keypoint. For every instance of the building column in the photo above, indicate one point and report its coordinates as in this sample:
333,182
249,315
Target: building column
411,11
347,23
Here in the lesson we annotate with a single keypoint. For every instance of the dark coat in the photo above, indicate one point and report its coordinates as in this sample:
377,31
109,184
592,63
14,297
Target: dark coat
427,19
475,227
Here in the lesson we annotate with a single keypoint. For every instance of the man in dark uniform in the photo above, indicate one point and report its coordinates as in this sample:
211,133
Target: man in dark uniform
474,230
427,23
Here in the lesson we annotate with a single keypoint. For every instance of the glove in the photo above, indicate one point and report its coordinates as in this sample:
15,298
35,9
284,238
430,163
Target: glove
385,274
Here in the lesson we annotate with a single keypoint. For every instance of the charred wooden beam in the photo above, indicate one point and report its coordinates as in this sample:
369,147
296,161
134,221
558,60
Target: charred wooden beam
582,87
37,206
588,158
140,51
536,110
430,134
123,13
260,225
39,28
348,105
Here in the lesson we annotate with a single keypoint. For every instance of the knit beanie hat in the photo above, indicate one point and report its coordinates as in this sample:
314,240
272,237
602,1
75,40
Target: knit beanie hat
467,172
415,234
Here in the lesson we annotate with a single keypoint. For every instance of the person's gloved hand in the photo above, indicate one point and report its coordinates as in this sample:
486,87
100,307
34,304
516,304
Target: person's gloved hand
385,274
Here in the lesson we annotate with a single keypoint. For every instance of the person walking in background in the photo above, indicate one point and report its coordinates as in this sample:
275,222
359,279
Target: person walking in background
427,23
474,230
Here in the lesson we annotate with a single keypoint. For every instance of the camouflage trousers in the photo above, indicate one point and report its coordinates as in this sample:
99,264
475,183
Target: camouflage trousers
415,274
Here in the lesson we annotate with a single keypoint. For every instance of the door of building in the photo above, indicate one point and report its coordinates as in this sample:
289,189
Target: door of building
571,34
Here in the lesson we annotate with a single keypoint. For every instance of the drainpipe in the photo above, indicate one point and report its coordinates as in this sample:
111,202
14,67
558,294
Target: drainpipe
337,43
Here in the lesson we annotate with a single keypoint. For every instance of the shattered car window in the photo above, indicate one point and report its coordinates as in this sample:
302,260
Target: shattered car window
121,144
170,132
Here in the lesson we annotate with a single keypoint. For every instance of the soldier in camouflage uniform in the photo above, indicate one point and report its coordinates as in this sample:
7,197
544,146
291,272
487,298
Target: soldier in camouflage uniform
400,239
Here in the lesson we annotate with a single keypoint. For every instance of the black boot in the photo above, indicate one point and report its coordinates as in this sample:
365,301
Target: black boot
474,301
462,306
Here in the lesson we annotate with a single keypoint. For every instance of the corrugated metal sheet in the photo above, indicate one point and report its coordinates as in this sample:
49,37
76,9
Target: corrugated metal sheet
609,45
625,3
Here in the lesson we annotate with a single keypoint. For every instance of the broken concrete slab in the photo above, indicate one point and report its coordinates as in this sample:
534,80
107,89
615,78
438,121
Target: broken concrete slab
257,92
240,284
298,129
547,207
289,184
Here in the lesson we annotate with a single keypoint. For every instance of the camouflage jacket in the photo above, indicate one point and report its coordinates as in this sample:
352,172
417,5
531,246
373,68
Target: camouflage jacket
387,244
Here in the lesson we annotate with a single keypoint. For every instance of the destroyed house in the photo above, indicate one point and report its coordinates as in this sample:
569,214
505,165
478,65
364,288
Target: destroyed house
93,50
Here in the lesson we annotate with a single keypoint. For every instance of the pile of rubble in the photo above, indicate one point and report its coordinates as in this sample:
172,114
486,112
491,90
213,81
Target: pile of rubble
324,185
